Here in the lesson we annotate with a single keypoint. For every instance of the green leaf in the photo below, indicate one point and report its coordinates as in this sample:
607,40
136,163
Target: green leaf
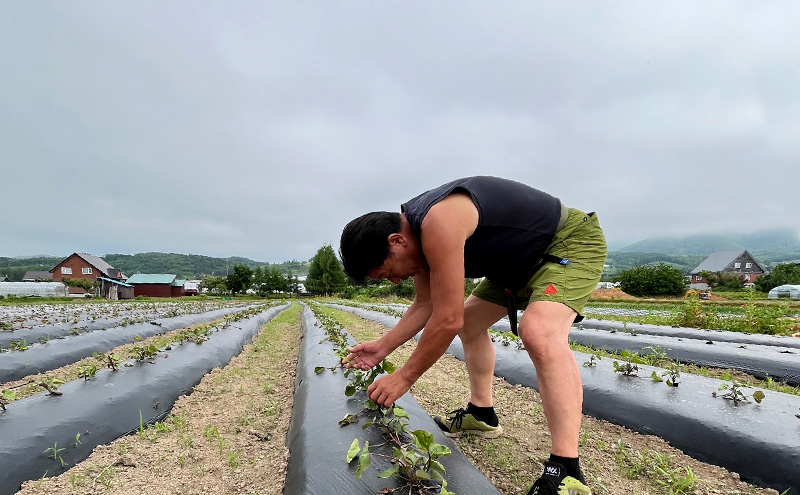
656,378
319,369
422,474
392,471
368,423
353,451
399,412
758,395
437,450
436,466
422,439
388,366
364,460
349,390
349,419
444,490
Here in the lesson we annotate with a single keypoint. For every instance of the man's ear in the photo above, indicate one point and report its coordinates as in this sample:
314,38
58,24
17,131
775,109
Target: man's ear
397,238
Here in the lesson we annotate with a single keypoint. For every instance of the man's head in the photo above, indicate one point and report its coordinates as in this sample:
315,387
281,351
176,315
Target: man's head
365,242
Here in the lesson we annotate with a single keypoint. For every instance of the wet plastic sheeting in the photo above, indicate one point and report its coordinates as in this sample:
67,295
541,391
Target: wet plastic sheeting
55,331
56,353
691,333
109,405
758,441
45,333
780,363
318,446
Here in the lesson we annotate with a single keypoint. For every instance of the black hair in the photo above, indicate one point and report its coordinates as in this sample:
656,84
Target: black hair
365,242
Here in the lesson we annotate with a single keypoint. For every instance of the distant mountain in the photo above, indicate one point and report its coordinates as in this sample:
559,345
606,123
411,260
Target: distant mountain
189,266
771,241
769,247
192,265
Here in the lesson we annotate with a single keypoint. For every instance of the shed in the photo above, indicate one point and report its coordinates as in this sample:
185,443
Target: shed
152,284
178,288
35,289
114,289
785,292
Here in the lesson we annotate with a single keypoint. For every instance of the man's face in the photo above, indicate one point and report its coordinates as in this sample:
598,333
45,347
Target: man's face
395,269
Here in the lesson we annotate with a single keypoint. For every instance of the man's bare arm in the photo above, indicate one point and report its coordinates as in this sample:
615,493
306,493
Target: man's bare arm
444,231
414,319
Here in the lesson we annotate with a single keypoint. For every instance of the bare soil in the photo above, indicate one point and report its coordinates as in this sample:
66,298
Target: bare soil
229,435
612,295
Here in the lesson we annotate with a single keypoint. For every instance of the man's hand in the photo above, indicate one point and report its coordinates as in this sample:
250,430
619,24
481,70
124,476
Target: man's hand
365,355
385,390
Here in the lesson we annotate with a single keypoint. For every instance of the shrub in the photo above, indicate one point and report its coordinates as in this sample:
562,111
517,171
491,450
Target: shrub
658,280
785,273
77,282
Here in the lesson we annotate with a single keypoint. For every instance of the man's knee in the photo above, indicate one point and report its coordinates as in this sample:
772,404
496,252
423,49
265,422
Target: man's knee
544,333
542,338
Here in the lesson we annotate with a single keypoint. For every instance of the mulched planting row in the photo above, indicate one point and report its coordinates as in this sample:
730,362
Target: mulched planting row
56,353
318,445
758,441
39,432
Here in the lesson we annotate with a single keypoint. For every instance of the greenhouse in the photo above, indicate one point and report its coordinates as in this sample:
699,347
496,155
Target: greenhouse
785,292
37,289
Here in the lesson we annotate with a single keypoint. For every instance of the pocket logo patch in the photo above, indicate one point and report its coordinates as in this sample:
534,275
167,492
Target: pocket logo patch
550,289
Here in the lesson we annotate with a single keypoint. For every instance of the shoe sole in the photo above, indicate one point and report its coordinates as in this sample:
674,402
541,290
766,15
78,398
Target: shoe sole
478,433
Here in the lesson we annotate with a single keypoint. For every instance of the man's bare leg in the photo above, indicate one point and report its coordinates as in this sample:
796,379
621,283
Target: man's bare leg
544,330
479,356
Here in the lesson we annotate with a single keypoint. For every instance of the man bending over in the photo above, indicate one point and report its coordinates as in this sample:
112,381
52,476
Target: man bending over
534,254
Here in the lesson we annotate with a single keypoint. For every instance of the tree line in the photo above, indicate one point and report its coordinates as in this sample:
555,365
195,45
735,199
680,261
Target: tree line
185,266
666,280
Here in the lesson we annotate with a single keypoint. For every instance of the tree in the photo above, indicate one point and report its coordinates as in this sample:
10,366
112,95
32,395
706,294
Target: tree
719,280
272,280
78,282
658,280
785,273
325,275
213,284
240,280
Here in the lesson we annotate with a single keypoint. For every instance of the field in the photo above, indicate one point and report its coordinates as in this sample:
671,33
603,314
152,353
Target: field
230,434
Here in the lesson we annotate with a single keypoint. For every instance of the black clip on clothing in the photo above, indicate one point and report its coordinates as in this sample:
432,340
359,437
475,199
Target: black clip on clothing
511,300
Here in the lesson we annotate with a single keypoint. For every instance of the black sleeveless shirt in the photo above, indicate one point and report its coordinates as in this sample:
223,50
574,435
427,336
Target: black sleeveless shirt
516,223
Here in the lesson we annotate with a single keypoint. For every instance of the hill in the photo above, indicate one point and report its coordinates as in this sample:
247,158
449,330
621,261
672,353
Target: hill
189,266
618,261
769,247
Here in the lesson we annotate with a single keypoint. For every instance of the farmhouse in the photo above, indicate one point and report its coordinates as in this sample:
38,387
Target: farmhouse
157,285
740,263
84,266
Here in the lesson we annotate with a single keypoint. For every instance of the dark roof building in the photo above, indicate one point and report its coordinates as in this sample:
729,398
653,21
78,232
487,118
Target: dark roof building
37,276
740,263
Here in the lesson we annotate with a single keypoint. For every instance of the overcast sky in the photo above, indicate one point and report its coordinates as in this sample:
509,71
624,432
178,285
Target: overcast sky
259,129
